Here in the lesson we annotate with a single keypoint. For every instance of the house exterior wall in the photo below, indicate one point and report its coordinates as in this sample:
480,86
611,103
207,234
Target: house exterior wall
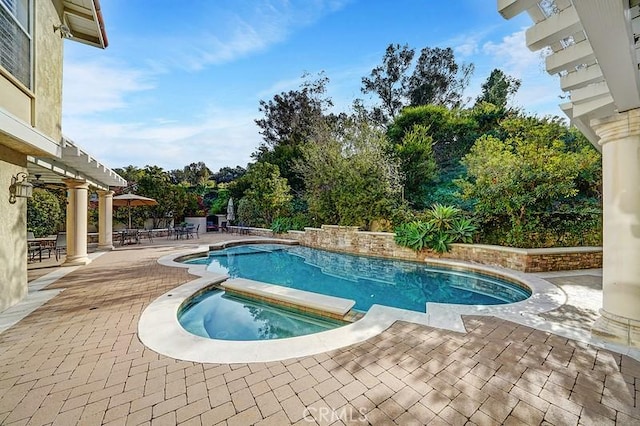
48,70
13,244
39,108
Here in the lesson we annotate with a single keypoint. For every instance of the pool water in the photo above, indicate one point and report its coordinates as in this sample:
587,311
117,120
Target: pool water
368,281
217,315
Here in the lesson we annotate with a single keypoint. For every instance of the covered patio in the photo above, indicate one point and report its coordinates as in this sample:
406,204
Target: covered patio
77,173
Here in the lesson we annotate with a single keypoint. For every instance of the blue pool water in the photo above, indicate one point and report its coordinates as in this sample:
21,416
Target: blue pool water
368,281
217,315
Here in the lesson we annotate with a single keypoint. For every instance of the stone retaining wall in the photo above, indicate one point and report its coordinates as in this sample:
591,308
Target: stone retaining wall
349,239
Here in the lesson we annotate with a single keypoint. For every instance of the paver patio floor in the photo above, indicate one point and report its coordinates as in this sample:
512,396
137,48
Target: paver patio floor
78,360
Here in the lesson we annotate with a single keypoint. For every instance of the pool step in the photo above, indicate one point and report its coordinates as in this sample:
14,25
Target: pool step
305,300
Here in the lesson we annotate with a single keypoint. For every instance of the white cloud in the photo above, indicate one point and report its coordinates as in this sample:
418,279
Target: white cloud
219,138
250,30
100,85
512,52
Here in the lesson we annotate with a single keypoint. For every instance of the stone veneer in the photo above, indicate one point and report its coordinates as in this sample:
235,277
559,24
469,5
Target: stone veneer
351,240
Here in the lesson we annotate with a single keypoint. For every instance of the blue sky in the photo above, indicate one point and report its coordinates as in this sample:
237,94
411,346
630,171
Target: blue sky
181,81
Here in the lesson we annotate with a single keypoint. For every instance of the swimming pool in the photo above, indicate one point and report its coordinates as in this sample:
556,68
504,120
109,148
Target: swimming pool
218,315
368,281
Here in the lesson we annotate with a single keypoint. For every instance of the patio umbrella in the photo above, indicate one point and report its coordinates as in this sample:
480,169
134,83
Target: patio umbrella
133,200
230,215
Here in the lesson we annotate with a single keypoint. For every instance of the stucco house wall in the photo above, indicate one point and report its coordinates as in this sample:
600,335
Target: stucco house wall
13,267
39,108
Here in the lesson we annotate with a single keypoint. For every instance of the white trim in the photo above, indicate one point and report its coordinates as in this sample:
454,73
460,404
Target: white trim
35,141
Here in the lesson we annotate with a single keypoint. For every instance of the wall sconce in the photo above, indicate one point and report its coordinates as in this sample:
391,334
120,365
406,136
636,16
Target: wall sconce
19,187
65,32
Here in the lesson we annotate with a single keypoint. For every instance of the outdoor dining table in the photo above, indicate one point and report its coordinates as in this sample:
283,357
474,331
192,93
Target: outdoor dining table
184,231
41,243
129,236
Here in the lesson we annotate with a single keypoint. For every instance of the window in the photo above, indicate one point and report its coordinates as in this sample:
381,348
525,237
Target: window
15,39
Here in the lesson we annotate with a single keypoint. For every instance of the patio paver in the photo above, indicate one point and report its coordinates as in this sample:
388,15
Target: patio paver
77,360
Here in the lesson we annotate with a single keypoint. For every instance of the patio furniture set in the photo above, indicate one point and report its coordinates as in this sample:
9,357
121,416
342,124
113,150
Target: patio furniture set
53,243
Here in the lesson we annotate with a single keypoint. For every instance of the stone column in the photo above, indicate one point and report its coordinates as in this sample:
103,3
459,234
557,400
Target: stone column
77,203
105,220
620,140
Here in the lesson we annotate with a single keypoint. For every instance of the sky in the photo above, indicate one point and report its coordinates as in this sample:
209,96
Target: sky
181,81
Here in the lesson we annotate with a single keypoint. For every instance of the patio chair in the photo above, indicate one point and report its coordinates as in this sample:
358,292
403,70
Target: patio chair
147,233
33,248
60,246
191,229
131,236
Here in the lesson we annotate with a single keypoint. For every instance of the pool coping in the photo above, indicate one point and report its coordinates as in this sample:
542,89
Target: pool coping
160,330
336,307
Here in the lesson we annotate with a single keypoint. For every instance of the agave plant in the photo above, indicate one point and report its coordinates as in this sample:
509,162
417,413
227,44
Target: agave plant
444,227
414,235
441,242
462,229
442,216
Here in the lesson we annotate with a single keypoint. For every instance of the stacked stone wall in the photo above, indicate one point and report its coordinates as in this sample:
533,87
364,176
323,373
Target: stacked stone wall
350,239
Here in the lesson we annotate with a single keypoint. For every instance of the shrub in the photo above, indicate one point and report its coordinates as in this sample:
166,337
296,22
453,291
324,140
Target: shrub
44,214
443,225
280,225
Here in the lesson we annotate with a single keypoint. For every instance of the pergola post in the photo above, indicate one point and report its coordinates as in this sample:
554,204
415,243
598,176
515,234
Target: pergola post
105,220
620,140
77,203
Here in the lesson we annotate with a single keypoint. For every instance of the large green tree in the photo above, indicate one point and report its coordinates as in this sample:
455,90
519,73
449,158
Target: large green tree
267,196
453,131
520,183
228,174
390,81
349,178
194,174
498,89
289,121
154,182
438,79
417,163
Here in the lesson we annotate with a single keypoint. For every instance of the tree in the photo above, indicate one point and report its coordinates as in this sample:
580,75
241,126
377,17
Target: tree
519,183
498,89
268,194
348,176
453,131
390,81
194,174
289,120
417,163
130,173
153,182
438,79
228,174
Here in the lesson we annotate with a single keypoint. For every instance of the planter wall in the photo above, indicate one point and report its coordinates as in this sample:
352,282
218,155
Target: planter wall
349,239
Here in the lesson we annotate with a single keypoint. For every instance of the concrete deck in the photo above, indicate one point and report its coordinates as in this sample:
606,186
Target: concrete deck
78,360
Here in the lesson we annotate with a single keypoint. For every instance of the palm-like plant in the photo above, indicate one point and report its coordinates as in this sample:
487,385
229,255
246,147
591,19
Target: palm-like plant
442,216
415,235
444,226
462,229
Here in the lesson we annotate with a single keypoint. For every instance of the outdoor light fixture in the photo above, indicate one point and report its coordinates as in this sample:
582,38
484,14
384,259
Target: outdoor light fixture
19,187
65,32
